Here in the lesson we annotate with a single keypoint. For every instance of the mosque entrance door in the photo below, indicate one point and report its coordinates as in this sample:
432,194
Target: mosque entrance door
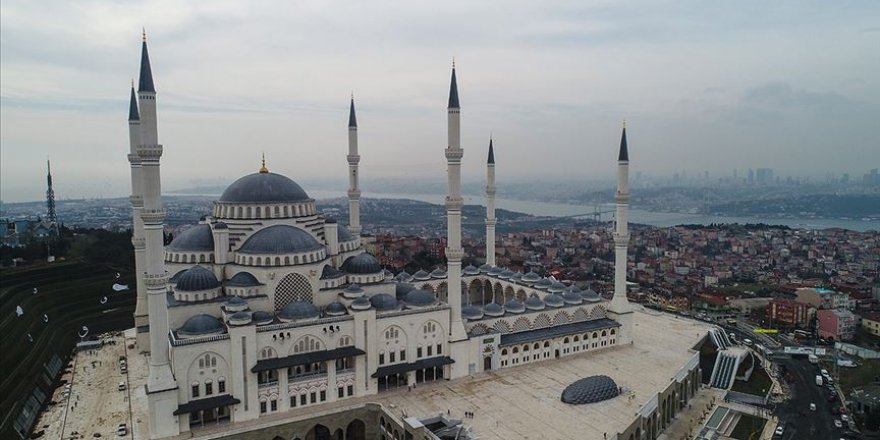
487,363
557,353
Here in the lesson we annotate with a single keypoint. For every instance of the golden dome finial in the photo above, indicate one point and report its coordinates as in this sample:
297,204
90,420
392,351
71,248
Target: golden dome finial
263,169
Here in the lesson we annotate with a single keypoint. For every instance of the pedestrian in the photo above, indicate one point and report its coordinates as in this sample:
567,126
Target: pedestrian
448,412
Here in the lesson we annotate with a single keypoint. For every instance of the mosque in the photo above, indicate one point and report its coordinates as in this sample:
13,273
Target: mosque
267,306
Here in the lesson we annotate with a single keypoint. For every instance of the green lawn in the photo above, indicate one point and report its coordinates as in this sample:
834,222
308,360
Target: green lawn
749,427
865,373
758,384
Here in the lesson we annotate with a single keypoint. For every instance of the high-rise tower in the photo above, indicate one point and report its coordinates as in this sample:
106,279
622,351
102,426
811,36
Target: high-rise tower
354,191
490,206
620,308
161,386
51,216
454,251
141,320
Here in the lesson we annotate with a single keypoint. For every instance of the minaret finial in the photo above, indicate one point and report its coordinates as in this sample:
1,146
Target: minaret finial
624,122
144,34
263,169
453,62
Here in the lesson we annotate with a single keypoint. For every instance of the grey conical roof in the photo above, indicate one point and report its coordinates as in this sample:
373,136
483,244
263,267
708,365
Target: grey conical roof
453,91
491,159
145,83
624,153
352,119
133,114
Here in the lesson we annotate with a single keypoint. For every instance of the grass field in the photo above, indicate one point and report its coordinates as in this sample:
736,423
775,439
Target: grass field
69,295
749,427
867,371
758,384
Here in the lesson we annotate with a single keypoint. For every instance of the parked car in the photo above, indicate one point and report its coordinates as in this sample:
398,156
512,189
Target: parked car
779,430
837,423
812,407
122,429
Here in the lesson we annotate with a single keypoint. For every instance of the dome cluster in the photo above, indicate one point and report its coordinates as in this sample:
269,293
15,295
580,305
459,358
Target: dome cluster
590,390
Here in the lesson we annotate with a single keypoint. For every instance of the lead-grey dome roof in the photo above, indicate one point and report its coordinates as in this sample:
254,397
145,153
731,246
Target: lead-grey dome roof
419,298
554,300
362,264
299,310
243,279
335,309
534,303
493,309
264,188
590,295
195,279
384,301
262,318
472,312
343,234
201,324
471,270
401,289
514,306
590,389
198,238
280,239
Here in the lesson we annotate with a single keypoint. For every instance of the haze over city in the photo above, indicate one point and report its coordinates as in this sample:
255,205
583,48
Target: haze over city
787,85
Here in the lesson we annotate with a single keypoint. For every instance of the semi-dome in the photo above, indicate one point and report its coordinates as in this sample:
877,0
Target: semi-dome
299,310
353,291
198,238
470,269
421,275
201,324
335,309
280,239
362,303
493,309
419,298
236,304
362,264
243,279
264,188
534,303
240,318
384,301
437,273
590,389
472,313
262,318
401,289
590,295
343,234
514,306
554,300
195,279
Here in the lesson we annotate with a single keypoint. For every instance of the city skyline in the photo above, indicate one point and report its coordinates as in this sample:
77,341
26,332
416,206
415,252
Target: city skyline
716,89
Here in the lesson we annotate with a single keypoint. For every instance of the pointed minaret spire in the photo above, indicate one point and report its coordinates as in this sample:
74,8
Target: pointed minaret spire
352,119
133,114
50,195
145,83
453,89
491,159
623,155
490,205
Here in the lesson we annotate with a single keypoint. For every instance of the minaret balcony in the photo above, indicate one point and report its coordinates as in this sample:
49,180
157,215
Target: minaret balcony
156,280
353,159
153,216
454,204
491,222
454,254
621,198
354,193
134,159
454,153
139,242
490,191
149,153
136,201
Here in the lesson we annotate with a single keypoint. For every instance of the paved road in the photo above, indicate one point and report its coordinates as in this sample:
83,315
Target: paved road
801,423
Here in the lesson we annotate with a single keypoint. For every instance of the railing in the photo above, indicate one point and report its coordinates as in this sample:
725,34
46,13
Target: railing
198,340
272,383
286,325
413,311
307,376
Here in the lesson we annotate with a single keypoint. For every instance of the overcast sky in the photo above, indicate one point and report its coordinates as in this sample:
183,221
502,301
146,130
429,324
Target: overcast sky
792,85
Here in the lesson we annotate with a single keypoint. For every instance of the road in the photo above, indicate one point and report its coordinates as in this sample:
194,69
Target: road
801,422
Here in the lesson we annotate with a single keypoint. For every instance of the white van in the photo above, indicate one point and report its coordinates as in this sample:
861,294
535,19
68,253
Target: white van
121,386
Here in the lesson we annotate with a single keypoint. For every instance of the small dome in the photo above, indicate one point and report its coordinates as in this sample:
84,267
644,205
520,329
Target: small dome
299,310
493,309
240,318
330,272
362,264
243,279
438,274
198,238
335,309
401,289
362,303
590,389
353,291
195,279
421,276
201,324
494,271
264,188
571,297
404,277
554,300
543,283
471,270
419,298
388,275
279,240
534,303
485,268
506,274
517,276
173,279
343,234
556,287
531,277
384,301
220,225
590,295
514,306
471,313
262,318
236,304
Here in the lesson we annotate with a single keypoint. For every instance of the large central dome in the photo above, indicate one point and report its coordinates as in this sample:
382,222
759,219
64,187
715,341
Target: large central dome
264,188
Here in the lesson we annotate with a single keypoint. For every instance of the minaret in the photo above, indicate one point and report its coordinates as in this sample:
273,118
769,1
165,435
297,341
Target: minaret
490,206
51,216
620,308
141,320
161,386
354,190
454,252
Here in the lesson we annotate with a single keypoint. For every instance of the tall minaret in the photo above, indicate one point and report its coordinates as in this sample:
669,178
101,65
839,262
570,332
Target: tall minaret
490,206
51,216
161,386
354,190
141,320
620,308
454,252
